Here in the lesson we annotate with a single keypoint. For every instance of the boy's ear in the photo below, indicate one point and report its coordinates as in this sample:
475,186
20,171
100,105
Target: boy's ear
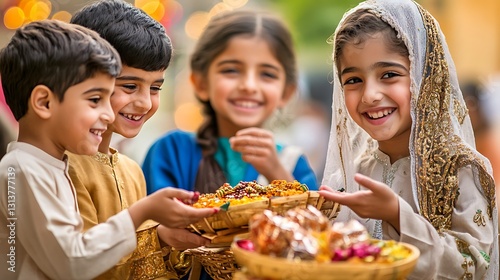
200,86
288,93
41,100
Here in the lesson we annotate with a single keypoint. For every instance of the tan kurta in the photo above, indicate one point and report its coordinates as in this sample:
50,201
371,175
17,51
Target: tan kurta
46,235
105,186
464,250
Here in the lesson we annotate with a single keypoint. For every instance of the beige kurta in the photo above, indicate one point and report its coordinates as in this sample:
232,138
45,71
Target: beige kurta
471,230
105,186
49,242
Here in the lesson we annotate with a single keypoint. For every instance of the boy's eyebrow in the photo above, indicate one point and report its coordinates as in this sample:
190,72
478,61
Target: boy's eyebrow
381,64
92,90
239,62
135,78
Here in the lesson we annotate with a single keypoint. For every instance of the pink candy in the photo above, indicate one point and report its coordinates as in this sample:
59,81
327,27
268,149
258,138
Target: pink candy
360,250
246,244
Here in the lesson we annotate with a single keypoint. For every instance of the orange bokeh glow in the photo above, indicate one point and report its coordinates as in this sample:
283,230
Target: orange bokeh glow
13,18
40,11
62,16
188,116
196,24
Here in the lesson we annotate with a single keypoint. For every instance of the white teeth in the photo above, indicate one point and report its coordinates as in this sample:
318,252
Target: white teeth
132,117
246,104
97,132
379,114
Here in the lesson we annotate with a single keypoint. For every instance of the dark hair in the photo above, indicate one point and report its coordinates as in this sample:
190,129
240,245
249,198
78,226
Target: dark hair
55,54
140,40
214,41
361,25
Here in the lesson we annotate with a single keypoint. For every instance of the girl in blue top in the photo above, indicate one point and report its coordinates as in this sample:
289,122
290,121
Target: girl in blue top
243,70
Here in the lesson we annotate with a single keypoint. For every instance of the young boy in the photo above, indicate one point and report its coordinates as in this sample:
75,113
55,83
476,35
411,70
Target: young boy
58,79
109,182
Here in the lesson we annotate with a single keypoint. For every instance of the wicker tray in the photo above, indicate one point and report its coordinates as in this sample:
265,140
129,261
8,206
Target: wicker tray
329,208
278,268
239,215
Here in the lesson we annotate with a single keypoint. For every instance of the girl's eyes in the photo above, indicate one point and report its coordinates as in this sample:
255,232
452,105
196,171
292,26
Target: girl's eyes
390,75
355,80
228,71
264,74
352,81
269,75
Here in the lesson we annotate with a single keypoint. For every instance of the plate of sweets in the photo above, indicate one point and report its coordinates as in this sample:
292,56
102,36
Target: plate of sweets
239,203
303,244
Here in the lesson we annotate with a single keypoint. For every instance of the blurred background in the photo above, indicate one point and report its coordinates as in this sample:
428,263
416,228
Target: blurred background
472,29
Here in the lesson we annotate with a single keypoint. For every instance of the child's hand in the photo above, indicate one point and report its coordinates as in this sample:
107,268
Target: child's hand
377,202
257,147
166,206
181,239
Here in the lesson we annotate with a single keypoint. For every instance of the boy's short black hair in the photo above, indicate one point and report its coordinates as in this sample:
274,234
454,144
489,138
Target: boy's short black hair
141,41
55,54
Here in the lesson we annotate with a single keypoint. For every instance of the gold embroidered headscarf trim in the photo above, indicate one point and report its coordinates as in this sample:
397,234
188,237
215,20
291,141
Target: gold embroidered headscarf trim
440,153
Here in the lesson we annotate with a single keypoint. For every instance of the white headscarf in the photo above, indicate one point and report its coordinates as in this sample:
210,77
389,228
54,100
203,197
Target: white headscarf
441,140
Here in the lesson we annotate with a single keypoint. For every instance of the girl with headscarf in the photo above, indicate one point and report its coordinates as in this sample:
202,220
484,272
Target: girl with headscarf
402,145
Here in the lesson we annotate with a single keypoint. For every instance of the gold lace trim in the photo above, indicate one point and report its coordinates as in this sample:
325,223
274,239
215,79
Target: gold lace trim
145,262
439,152
105,159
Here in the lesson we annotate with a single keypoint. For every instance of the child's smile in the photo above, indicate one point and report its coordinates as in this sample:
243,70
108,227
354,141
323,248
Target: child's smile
380,114
376,85
246,83
132,117
135,100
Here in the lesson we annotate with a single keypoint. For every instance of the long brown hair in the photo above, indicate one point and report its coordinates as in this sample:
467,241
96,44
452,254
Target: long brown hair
214,40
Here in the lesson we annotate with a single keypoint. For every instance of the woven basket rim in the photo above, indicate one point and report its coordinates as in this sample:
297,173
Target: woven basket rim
269,265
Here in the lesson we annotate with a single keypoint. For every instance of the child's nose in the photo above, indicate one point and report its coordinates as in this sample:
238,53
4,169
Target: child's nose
249,83
144,100
371,94
108,115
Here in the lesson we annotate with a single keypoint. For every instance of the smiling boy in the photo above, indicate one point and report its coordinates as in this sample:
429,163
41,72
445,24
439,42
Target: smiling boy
61,98
109,182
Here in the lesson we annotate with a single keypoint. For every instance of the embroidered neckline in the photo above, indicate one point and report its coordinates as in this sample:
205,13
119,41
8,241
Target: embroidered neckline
388,176
106,159
389,169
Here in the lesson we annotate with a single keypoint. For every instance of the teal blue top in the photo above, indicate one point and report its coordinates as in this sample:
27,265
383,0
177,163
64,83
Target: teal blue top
230,161
173,160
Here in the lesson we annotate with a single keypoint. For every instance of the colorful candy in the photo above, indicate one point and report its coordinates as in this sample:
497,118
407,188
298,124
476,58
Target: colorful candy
246,192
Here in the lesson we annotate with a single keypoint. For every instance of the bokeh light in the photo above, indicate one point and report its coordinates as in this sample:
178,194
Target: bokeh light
195,24
219,8
14,18
173,13
62,16
40,10
188,116
148,6
235,4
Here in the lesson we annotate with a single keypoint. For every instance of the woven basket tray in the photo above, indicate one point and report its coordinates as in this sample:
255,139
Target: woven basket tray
279,268
329,208
239,215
